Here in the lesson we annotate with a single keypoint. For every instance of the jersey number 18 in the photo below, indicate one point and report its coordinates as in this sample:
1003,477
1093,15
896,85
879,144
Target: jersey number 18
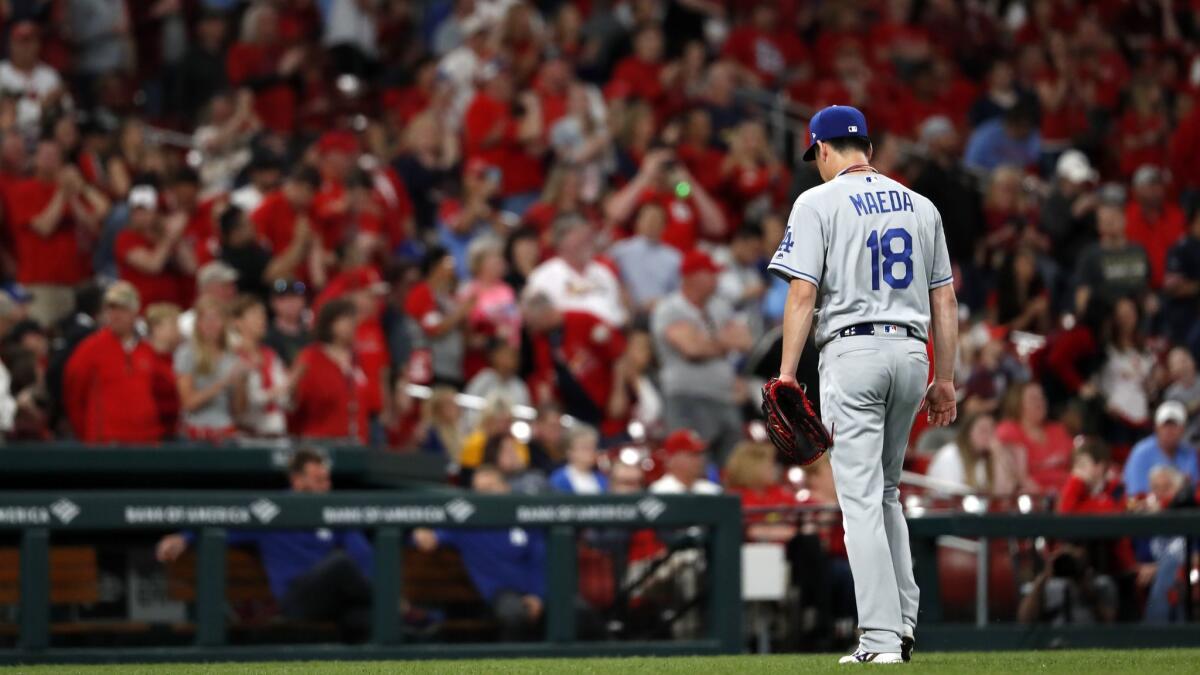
883,245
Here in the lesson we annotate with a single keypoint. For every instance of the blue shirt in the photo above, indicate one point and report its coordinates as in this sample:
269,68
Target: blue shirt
286,554
456,244
1147,455
501,560
990,146
560,481
650,269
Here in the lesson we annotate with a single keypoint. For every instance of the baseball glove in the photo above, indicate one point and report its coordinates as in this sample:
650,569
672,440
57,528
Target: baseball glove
792,423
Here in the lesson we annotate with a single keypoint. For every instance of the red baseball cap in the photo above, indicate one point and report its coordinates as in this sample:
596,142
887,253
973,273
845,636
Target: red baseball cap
697,261
684,440
367,279
338,141
24,29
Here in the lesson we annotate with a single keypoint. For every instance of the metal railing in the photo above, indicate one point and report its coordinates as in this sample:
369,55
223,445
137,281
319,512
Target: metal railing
39,516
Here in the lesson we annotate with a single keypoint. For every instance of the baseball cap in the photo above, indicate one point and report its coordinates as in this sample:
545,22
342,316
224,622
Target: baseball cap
697,261
122,294
683,440
1074,166
1170,411
17,292
836,121
24,29
143,197
367,279
1147,174
338,141
216,272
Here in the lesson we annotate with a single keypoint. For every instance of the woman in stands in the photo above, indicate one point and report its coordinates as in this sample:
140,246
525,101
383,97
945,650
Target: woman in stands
1126,378
978,462
266,382
328,386
1046,444
211,379
443,419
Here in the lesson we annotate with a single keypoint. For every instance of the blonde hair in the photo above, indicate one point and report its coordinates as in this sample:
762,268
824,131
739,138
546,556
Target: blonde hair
479,250
447,431
207,355
743,465
160,312
248,31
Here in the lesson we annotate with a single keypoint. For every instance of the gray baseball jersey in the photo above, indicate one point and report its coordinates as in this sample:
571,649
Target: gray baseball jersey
874,249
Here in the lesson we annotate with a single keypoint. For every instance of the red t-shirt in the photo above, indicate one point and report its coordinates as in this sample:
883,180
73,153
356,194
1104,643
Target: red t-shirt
767,54
371,352
1049,461
639,79
520,171
329,402
63,257
275,220
165,286
773,496
256,66
109,393
588,347
1157,236
683,220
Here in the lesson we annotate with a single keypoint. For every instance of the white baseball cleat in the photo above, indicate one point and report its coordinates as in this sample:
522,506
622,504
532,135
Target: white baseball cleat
861,656
907,644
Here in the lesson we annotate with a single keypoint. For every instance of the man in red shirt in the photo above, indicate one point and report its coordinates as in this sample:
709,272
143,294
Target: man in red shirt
506,133
55,218
642,73
109,383
287,226
691,211
150,252
1153,221
574,355
338,151
765,47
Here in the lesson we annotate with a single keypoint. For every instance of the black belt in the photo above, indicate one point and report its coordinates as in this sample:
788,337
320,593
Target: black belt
884,329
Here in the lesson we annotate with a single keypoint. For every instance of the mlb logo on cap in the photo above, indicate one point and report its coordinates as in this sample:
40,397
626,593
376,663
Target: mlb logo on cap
836,121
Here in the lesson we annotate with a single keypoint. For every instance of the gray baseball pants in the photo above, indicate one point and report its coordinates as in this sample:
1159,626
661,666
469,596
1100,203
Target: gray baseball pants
871,389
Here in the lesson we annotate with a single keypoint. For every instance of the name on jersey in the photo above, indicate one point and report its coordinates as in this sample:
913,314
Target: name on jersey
881,201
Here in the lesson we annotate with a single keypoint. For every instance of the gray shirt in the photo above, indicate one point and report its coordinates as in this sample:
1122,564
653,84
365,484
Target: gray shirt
873,248
218,412
649,269
708,378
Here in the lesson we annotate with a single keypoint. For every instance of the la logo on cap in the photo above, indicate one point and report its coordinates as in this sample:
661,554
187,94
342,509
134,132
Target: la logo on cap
853,129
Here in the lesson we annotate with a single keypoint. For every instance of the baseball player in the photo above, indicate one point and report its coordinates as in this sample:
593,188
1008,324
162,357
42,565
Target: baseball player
866,259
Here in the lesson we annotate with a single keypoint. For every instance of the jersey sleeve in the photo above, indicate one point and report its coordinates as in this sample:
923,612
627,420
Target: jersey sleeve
940,272
801,254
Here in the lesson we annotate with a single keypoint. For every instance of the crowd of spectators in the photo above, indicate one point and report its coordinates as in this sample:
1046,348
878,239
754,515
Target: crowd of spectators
225,219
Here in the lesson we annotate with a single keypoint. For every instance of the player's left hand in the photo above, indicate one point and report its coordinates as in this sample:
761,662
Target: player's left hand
941,403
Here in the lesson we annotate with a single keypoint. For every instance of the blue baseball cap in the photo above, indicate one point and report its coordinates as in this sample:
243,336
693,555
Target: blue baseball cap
836,121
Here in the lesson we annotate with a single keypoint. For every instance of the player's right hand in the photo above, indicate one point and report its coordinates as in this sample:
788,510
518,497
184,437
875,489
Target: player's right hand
941,403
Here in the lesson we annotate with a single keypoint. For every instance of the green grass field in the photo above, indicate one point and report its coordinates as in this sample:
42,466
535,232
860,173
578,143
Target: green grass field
1094,661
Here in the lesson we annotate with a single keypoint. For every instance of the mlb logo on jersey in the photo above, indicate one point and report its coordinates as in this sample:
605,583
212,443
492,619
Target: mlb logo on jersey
889,329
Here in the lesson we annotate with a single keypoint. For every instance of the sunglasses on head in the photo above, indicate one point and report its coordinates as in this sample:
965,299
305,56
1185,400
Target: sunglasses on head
285,287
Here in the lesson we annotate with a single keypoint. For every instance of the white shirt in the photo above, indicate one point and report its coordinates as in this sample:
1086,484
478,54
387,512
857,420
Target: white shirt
595,290
1123,379
947,465
30,89
460,68
583,482
670,485
8,404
